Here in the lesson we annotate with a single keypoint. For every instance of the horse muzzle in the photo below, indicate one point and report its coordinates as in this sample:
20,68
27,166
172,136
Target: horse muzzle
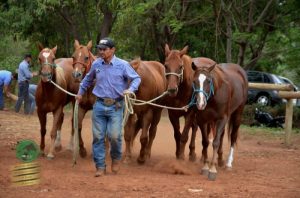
77,76
45,76
173,91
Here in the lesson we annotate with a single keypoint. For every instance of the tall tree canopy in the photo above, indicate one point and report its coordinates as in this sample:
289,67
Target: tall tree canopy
261,35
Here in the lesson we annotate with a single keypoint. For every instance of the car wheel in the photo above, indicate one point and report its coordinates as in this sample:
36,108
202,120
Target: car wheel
263,100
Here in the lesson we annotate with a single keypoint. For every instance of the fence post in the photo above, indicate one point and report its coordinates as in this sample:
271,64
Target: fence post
288,121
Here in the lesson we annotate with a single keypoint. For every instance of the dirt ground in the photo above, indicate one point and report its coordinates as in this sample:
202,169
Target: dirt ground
263,167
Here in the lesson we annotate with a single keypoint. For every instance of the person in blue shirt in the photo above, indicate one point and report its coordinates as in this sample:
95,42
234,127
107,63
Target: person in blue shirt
110,75
6,78
24,76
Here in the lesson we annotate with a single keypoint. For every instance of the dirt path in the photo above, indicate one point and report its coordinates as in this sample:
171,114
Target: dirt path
263,167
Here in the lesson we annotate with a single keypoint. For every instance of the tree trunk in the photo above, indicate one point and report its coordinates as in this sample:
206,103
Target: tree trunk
107,24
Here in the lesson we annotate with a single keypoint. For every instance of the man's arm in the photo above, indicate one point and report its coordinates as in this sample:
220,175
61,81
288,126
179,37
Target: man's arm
133,77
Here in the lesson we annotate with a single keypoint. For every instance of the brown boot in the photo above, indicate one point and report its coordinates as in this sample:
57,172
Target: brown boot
99,172
115,166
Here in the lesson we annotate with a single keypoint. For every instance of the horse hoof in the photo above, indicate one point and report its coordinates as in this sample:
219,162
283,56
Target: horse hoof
212,176
141,160
50,156
192,157
58,148
82,152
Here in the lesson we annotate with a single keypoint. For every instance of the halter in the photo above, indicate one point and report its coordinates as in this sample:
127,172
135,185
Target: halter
180,75
87,66
48,74
207,96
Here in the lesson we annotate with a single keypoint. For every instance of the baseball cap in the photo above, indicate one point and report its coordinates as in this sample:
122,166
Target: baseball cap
105,43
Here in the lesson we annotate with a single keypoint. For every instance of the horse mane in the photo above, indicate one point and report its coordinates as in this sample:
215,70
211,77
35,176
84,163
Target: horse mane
217,73
188,71
60,75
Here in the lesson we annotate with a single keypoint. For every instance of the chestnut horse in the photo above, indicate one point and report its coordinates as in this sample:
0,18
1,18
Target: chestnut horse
82,60
51,99
221,94
180,75
145,117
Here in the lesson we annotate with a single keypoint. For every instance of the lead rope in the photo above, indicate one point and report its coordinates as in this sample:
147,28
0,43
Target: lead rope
75,124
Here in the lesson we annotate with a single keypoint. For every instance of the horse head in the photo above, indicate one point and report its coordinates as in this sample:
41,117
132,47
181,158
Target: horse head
82,60
174,65
203,84
46,59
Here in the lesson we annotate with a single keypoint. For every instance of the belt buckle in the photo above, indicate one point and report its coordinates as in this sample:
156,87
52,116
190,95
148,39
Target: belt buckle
108,101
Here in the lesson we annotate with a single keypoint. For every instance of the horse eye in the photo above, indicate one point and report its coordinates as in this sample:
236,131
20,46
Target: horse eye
86,58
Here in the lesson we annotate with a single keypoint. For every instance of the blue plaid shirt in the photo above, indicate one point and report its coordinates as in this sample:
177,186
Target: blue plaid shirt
24,72
111,79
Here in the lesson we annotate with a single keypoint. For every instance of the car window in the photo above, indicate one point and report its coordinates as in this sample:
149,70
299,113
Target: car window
267,79
277,79
255,77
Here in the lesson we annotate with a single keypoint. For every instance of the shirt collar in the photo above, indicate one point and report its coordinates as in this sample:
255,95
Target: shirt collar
112,61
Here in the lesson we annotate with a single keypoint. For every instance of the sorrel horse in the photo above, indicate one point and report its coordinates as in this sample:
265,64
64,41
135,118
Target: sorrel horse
180,75
82,60
221,94
146,117
49,98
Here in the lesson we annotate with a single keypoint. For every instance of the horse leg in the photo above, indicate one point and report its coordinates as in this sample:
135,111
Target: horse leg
128,136
81,114
235,122
71,140
192,154
57,143
176,127
56,118
220,151
147,117
43,121
189,118
152,130
220,124
205,142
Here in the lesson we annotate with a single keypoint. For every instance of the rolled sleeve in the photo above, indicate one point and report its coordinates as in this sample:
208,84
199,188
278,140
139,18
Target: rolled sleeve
87,80
133,77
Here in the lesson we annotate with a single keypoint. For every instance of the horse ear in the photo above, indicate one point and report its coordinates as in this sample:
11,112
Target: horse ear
211,67
184,50
167,50
194,67
54,49
40,46
76,44
89,45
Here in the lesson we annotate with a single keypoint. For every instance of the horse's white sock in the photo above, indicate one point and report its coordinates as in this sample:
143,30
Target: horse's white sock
58,138
230,157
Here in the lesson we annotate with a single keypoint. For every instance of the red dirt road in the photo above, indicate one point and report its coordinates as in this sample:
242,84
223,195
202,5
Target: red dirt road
262,167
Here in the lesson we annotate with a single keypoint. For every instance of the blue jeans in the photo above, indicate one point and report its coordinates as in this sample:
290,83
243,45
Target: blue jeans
107,122
1,97
23,95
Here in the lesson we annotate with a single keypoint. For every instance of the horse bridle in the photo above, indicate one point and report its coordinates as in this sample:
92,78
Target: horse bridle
179,75
47,74
85,65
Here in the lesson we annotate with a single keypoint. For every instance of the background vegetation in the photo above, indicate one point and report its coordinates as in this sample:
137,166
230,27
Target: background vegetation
257,34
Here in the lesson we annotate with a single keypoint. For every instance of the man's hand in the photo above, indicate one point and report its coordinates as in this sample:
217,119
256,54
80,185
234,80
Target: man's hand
78,98
34,74
127,92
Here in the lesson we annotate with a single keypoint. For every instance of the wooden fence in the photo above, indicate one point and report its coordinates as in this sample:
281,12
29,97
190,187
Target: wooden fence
285,91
